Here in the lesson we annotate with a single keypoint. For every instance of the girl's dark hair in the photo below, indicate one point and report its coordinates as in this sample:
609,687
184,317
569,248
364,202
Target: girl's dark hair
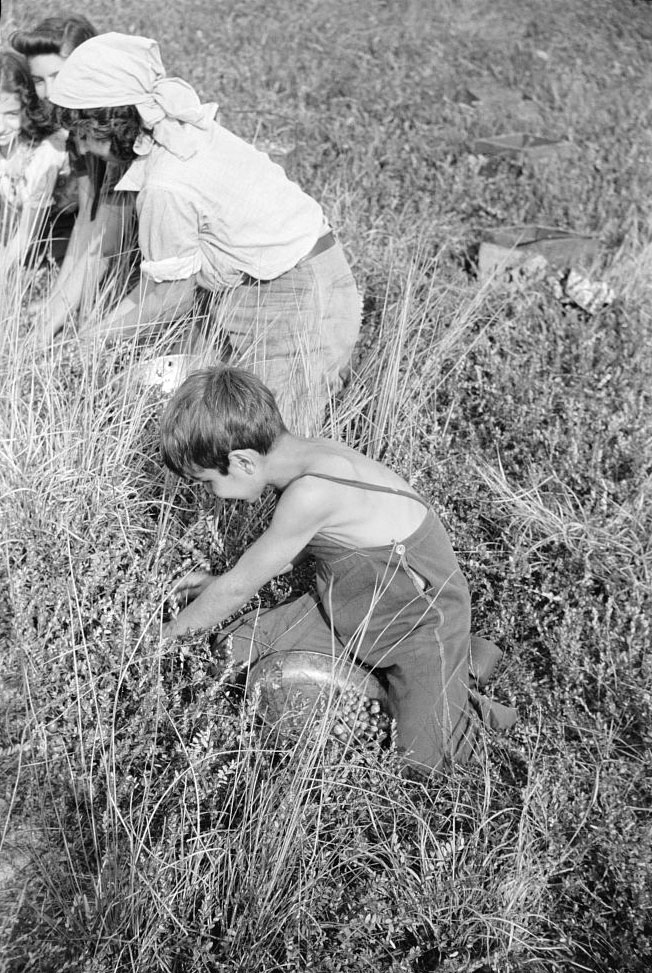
215,411
36,122
54,35
121,126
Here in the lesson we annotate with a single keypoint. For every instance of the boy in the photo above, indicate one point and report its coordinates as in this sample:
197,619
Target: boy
389,590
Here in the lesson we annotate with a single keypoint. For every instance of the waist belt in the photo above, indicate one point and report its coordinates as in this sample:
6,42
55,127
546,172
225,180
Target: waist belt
323,244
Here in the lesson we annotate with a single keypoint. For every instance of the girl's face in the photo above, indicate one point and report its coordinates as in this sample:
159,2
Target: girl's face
10,112
44,68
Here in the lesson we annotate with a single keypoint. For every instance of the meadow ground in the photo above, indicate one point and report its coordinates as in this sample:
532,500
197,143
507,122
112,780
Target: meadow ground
145,826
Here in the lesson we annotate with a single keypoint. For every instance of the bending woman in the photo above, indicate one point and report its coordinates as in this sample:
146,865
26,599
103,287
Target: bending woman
214,211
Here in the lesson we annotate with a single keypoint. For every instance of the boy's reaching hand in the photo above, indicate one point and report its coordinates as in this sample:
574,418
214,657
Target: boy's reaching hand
192,584
189,587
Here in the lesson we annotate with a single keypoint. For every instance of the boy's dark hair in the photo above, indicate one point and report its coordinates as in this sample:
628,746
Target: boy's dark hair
120,126
36,122
215,411
54,35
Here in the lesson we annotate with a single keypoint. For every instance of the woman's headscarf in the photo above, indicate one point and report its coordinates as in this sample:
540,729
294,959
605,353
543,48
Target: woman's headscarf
118,69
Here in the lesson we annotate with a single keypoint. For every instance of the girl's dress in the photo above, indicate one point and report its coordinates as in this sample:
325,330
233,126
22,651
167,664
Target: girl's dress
403,610
28,179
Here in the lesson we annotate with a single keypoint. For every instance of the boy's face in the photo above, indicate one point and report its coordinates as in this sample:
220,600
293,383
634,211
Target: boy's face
243,481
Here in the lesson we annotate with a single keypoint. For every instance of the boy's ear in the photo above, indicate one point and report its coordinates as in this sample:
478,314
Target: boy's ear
245,460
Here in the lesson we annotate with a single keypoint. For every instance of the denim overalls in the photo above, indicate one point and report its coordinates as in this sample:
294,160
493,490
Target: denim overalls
403,610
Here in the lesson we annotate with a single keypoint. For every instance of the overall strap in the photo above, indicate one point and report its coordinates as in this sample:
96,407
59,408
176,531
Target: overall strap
362,485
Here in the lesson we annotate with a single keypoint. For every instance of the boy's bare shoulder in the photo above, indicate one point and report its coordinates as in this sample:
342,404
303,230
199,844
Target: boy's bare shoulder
307,501
309,488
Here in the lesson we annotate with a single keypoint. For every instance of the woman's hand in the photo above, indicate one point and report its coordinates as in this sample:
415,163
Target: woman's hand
49,315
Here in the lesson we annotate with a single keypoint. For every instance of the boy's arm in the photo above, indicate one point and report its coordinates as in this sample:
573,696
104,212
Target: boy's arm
296,520
295,562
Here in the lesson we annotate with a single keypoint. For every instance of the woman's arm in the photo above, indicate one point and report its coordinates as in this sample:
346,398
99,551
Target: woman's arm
30,221
91,244
148,304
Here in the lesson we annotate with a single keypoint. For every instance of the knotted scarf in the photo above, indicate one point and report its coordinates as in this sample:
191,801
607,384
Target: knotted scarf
119,69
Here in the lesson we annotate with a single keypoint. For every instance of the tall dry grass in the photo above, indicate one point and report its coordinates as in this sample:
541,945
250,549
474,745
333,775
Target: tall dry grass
156,828
142,800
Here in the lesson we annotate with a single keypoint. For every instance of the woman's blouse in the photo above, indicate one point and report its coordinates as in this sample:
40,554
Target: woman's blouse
226,211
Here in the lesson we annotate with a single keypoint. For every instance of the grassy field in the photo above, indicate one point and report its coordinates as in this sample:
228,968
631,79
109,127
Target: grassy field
144,824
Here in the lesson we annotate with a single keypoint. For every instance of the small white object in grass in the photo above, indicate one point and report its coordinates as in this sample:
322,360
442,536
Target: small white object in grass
590,295
166,372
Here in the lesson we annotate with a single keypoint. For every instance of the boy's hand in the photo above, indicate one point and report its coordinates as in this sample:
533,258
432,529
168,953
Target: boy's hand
168,630
191,585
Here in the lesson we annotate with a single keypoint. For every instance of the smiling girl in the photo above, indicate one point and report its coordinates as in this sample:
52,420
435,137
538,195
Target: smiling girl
32,158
